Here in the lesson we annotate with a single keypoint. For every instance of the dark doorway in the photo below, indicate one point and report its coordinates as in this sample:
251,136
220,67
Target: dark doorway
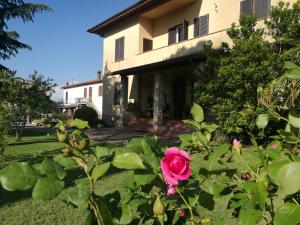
179,93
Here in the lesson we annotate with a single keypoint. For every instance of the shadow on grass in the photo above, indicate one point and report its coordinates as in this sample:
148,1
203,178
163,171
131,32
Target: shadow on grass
31,159
40,141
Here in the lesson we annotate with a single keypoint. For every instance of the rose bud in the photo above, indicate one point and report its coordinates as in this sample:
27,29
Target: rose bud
181,212
237,146
158,207
66,152
62,136
246,176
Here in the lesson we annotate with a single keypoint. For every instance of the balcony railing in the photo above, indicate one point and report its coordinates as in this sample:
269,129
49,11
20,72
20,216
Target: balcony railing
77,101
180,49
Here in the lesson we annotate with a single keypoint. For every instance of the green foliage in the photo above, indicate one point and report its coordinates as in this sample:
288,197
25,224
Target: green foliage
250,64
4,125
284,27
202,134
259,184
87,114
15,9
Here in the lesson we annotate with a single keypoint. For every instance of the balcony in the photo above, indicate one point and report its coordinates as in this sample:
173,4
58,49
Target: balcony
183,48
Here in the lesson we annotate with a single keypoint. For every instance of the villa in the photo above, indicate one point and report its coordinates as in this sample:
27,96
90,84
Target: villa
153,49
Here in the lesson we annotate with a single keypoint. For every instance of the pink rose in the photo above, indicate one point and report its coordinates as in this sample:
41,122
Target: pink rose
175,166
274,146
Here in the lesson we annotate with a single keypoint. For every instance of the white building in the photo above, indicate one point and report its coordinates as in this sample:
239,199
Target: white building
89,93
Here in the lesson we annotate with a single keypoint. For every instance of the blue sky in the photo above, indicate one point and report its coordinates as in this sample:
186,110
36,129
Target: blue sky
61,47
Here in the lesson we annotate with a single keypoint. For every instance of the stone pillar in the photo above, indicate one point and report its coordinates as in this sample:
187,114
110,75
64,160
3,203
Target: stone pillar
123,102
158,101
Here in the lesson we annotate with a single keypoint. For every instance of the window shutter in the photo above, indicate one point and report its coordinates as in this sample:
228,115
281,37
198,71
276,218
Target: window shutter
117,44
185,30
246,7
90,94
262,8
100,90
85,92
119,49
203,25
122,47
196,27
172,36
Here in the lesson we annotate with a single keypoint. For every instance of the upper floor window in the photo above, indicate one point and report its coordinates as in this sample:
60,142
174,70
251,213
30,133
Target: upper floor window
201,26
85,92
90,94
66,97
261,8
119,49
178,33
100,90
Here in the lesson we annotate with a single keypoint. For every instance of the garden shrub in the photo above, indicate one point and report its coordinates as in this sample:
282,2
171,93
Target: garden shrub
87,114
234,75
166,186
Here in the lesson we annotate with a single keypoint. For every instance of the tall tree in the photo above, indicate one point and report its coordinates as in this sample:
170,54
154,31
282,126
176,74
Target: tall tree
9,39
284,27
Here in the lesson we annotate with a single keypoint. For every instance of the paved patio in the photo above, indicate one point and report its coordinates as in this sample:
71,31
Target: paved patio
118,136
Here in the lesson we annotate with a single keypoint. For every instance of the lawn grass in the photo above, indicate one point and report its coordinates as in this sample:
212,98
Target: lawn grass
17,208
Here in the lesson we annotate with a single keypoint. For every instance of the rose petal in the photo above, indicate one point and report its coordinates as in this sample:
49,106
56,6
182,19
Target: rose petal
183,176
177,164
169,178
178,151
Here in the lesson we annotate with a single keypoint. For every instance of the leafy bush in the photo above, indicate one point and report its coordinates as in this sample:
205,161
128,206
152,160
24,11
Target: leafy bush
166,187
230,85
87,114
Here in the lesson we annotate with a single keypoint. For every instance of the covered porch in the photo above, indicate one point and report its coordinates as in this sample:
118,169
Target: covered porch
159,96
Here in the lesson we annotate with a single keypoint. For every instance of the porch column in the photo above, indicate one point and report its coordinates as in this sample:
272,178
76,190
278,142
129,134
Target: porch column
158,101
123,101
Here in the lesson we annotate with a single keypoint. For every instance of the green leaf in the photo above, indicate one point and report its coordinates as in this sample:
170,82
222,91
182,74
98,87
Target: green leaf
209,127
289,213
288,178
200,138
293,72
128,160
192,123
273,169
217,154
79,196
89,219
127,215
99,171
261,192
197,113
47,188
18,176
102,152
262,121
67,162
250,216
52,169
216,189
105,214
294,117
80,124
144,178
